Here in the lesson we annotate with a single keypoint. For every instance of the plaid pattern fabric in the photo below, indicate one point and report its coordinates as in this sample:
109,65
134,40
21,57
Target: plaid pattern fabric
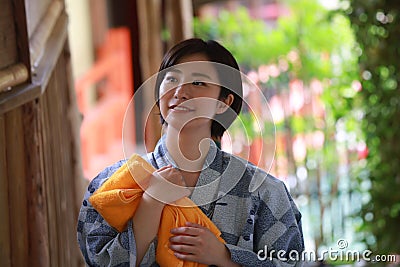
252,209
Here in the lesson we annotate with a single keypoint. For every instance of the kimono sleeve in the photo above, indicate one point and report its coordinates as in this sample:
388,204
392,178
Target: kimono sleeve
101,244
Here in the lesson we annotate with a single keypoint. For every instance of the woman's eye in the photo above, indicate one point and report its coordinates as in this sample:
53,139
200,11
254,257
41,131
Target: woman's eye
198,83
171,79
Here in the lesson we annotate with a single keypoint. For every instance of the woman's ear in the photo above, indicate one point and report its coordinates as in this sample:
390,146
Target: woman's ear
224,104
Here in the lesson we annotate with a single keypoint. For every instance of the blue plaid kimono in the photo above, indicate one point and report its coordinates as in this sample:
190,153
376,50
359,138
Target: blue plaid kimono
253,210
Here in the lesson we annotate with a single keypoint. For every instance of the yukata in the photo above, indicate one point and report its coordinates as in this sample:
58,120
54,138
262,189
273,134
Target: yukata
253,210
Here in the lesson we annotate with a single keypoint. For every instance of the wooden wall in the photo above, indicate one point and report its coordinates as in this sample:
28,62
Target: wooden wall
41,181
39,146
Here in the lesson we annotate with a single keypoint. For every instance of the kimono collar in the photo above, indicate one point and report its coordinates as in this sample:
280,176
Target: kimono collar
207,185
164,158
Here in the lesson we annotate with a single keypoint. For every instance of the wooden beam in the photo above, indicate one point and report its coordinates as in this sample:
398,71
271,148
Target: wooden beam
8,41
15,154
43,31
5,241
18,96
22,34
151,51
13,75
198,3
179,20
22,94
35,184
53,49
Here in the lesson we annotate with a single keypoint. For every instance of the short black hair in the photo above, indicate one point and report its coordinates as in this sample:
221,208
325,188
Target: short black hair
231,77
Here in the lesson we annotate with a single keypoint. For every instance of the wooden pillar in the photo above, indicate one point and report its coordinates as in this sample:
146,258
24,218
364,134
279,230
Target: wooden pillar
38,142
178,21
151,53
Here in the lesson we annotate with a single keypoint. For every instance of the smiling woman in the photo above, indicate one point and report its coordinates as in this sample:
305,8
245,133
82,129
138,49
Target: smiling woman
205,53
198,90
189,95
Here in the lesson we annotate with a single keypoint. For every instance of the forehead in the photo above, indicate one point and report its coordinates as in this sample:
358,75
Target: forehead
196,65
194,57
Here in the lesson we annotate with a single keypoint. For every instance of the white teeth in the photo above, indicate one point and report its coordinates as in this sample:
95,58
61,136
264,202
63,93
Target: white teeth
181,109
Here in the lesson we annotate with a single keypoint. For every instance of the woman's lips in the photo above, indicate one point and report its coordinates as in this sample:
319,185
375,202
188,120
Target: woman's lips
180,108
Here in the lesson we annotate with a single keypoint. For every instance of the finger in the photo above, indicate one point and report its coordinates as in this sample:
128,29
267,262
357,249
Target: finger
185,231
183,239
163,168
194,225
186,257
181,248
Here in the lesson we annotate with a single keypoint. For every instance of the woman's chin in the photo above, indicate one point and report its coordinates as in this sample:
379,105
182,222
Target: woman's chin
188,125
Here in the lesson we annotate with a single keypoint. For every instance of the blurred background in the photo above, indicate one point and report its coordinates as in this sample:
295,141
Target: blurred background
329,70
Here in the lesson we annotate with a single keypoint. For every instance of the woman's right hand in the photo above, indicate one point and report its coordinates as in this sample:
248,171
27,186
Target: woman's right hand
167,185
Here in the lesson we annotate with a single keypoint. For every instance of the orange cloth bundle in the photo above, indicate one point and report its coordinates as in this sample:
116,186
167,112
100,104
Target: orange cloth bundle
117,199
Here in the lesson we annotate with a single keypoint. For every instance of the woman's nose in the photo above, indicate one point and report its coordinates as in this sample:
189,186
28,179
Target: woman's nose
182,91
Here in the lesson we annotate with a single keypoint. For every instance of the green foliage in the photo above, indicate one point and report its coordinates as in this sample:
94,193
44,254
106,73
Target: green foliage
320,41
246,38
376,25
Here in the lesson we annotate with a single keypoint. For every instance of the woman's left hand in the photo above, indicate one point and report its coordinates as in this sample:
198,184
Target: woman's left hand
197,243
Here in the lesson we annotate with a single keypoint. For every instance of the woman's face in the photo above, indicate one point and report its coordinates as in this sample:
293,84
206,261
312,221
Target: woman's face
189,93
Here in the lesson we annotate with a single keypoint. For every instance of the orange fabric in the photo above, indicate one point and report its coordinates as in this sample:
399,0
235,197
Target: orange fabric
117,199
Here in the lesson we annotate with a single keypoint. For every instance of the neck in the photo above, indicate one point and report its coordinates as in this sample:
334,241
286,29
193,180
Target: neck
188,148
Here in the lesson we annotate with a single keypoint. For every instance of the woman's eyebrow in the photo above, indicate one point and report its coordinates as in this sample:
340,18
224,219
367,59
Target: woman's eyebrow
203,75
194,74
174,70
